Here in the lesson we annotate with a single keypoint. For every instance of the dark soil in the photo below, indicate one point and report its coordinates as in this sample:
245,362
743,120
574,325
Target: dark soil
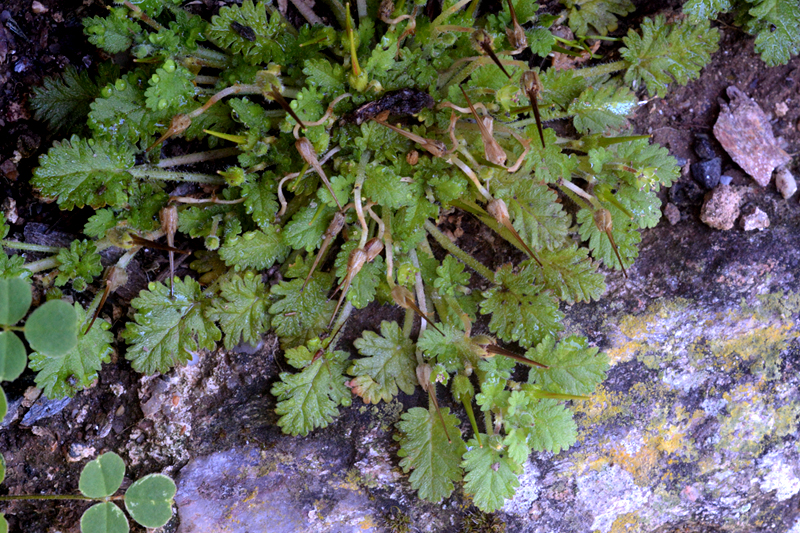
47,455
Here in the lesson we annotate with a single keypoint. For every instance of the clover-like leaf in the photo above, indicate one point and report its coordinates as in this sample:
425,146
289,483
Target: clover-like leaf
15,299
102,477
149,500
52,328
3,411
104,517
570,274
301,314
599,14
12,356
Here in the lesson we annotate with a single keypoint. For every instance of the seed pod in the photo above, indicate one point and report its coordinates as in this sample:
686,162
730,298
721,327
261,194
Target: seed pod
532,86
169,224
116,277
499,210
516,35
485,347
373,248
482,42
604,223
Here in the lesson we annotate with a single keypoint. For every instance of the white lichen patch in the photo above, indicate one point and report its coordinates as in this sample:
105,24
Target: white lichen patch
527,493
780,475
683,379
608,494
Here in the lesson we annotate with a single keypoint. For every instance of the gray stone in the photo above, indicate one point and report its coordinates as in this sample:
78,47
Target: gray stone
707,173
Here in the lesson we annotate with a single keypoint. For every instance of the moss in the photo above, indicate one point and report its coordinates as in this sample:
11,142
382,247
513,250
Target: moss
396,521
480,522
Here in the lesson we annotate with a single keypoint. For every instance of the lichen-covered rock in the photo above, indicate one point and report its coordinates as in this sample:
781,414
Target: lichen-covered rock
744,131
721,207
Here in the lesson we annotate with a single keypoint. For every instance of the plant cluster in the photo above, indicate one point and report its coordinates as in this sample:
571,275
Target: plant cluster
341,150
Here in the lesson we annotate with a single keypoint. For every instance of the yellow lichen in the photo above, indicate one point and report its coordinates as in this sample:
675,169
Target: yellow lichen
627,523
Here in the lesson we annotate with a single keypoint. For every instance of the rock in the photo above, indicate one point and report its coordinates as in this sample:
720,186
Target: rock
685,193
672,213
702,147
785,182
44,408
721,207
707,173
745,133
758,219
251,489
725,180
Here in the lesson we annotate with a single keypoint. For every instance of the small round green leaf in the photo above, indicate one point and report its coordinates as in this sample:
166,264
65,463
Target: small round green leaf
15,299
3,524
2,468
3,404
53,328
104,518
12,356
102,477
149,500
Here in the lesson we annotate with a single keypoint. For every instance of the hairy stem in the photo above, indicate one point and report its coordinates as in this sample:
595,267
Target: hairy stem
28,247
198,157
42,264
360,177
147,172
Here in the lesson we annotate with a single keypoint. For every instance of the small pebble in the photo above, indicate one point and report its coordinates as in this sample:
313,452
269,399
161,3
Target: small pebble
707,173
785,182
725,180
744,131
758,219
38,8
703,147
672,213
721,207
781,109
78,452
